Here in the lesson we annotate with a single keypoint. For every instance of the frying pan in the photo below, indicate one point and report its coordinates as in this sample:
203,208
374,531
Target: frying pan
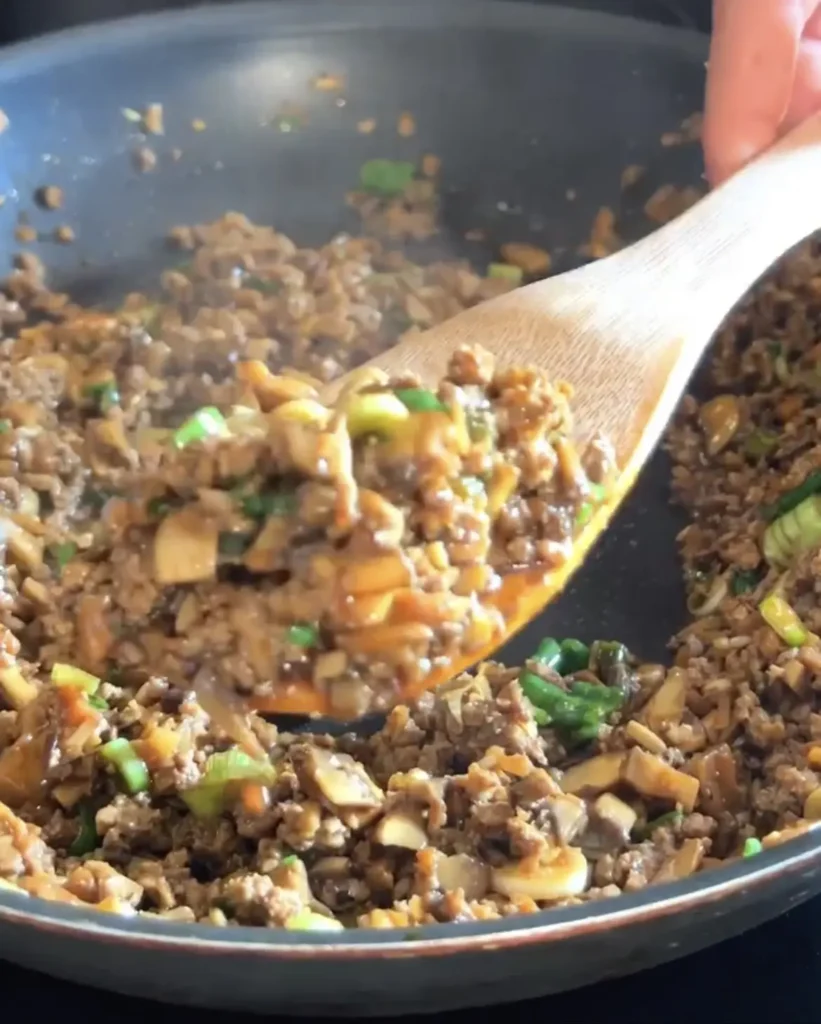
522,104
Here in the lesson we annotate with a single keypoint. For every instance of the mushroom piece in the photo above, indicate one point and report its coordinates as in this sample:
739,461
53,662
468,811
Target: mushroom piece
461,871
684,862
455,692
267,552
17,690
402,828
651,777
24,550
569,816
25,764
185,548
667,703
338,778
644,737
560,873
609,827
594,776
717,774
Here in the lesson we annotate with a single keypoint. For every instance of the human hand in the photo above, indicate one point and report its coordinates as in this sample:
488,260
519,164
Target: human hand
764,77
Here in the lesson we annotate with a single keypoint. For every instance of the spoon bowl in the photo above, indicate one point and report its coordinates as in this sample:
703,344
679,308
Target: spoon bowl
627,333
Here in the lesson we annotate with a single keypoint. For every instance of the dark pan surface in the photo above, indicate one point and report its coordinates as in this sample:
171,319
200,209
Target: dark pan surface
521,104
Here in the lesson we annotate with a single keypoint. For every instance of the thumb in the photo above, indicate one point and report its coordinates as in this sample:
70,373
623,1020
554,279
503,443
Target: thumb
750,78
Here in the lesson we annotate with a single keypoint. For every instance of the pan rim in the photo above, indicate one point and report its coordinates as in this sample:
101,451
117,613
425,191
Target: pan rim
323,16
248,19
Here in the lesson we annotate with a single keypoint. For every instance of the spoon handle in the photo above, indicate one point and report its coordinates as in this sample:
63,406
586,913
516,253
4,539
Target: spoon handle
701,264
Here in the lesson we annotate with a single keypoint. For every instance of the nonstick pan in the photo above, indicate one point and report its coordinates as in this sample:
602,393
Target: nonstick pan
522,104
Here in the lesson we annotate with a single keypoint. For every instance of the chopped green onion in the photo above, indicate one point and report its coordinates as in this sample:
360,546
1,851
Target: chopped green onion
781,618
585,513
132,768
268,503
5,426
61,554
208,798
752,846
95,498
86,840
761,443
233,545
206,422
386,177
505,272
743,581
578,712
609,660
473,486
304,634
670,818
307,921
104,395
575,656
787,502
261,285
289,861
98,703
548,653
68,675
152,318
794,532
420,400
158,508
540,716
481,424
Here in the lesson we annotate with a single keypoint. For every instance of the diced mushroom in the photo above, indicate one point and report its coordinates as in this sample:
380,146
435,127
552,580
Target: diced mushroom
461,871
25,764
785,834
185,548
267,552
563,872
667,703
609,827
338,778
17,690
455,692
644,737
24,550
812,806
683,863
651,777
717,774
594,776
402,828
94,636
569,816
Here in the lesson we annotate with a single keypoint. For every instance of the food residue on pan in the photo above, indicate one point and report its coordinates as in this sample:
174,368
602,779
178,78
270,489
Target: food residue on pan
406,125
689,131
198,125
4,121
670,201
366,126
631,175
328,83
64,234
25,233
49,197
153,119
144,159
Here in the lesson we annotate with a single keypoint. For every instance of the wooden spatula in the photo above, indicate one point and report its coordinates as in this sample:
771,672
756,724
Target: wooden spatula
627,333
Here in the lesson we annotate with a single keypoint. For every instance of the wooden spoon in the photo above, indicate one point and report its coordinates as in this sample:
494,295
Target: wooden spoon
627,333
